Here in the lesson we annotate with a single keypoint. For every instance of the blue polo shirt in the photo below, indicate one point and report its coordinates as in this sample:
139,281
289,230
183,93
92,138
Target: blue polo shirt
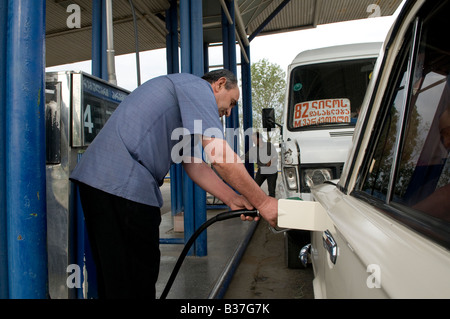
134,150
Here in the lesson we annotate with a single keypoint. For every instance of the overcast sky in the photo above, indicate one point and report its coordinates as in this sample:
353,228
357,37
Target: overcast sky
281,49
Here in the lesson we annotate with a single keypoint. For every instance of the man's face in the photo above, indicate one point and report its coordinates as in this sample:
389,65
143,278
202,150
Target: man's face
225,99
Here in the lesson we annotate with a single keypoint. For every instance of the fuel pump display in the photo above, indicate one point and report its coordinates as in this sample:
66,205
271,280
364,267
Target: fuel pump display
99,102
77,107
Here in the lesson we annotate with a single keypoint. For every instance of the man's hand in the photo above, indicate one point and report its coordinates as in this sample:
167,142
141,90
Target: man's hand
239,202
269,211
229,166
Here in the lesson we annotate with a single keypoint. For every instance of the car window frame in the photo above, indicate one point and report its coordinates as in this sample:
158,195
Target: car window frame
433,228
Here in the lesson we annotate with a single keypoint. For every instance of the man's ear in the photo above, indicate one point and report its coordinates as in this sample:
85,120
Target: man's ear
220,83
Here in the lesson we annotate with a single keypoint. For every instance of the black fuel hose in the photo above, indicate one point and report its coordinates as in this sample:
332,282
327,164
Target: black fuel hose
209,222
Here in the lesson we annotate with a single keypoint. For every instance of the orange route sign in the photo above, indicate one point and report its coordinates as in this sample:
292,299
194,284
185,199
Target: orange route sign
322,111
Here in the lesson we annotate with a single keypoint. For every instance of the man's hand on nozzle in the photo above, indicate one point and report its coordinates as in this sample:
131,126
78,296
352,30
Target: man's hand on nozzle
268,210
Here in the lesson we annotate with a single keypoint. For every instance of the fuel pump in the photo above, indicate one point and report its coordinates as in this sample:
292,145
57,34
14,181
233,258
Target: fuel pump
77,107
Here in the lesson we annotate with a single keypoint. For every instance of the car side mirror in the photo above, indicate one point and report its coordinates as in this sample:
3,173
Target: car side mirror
268,118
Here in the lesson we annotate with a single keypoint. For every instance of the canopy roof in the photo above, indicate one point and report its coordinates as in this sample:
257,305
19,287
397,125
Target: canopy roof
65,45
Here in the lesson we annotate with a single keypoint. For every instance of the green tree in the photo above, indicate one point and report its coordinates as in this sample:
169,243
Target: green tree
268,90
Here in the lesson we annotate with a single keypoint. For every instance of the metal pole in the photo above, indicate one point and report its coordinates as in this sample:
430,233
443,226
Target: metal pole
186,67
196,27
226,60
97,38
194,199
136,44
188,201
179,185
185,36
3,243
247,113
268,19
110,43
198,69
172,38
173,67
25,150
229,57
103,40
99,69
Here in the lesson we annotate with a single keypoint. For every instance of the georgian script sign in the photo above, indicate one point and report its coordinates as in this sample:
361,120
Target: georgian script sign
322,111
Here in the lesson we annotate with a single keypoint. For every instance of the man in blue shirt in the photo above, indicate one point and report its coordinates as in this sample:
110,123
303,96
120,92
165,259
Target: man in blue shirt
120,173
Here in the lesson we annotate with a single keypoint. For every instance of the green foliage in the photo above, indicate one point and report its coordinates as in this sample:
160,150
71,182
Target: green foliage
268,90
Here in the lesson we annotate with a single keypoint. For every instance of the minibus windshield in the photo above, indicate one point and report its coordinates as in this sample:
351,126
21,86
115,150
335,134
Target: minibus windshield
325,94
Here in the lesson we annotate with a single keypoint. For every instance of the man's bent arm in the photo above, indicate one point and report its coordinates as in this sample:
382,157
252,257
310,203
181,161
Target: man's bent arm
229,166
208,180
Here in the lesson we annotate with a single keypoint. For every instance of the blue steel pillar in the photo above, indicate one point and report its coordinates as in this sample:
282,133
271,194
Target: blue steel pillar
186,67
198,68
3,243
99,69
172,38
99,59
247,112
229,62
173,66
191,29
96,54
25,150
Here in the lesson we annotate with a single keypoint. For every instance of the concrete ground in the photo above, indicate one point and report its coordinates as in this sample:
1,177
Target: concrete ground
260,274
263,274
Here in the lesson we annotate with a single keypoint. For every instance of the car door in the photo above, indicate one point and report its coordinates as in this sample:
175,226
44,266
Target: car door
390,233
344,264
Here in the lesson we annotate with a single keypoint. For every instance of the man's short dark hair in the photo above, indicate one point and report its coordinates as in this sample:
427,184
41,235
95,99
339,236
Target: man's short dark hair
215,75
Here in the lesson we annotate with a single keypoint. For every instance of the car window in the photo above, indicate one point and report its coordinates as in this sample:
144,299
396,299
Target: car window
377,181
409,167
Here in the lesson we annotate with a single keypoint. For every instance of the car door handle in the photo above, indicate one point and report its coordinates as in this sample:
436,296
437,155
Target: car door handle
330,245
303,255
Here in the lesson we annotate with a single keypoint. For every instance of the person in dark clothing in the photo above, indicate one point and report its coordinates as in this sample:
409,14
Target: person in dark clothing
265,155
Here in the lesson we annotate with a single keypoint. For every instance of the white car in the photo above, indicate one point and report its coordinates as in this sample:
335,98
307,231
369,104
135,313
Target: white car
383,230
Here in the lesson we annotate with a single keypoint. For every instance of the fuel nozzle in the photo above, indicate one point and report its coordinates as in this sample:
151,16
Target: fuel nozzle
237,213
